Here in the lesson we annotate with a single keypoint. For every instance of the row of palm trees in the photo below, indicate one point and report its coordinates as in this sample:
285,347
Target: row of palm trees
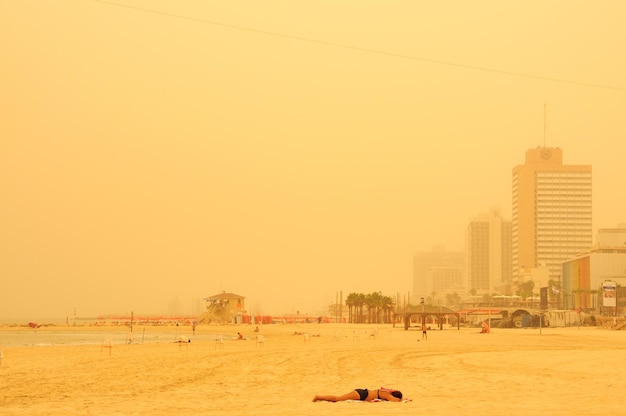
379,308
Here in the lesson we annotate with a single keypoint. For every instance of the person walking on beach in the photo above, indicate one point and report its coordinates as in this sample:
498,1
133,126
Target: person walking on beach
364,395
424,331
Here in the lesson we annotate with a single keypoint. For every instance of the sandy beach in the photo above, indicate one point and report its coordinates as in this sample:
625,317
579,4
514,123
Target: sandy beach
510,372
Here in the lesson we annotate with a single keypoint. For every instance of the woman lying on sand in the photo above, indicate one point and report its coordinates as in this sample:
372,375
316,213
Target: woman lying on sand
364,395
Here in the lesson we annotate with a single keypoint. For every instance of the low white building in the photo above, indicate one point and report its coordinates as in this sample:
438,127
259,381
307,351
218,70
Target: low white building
584,275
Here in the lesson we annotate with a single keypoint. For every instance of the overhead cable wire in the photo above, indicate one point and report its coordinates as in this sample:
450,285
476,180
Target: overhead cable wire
361,49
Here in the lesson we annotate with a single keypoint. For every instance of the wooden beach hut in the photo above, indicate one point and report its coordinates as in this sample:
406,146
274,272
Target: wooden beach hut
223,308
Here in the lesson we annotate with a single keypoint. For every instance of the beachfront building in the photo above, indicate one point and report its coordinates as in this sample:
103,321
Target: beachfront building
223,308
585,275
437,273
488,254
551,219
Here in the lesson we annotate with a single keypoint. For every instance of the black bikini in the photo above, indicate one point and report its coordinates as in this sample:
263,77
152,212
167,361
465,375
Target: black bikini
363,393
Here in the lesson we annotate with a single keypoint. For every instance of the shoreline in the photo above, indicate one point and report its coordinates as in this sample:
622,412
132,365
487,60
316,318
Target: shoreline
63,335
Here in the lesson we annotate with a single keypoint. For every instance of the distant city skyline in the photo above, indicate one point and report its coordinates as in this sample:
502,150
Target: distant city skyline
551,223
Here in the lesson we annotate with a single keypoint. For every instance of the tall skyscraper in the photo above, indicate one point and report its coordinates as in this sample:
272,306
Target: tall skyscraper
551,219
488,254
437,273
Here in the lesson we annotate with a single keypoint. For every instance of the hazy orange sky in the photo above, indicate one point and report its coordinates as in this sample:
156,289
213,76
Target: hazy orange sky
281,150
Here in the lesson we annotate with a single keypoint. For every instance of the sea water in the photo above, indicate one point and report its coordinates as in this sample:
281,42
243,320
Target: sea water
41,337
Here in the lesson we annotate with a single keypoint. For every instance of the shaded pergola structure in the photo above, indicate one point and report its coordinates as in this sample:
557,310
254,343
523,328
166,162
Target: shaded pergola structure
423,311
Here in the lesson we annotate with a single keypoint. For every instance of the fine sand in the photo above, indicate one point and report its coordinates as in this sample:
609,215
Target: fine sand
558,371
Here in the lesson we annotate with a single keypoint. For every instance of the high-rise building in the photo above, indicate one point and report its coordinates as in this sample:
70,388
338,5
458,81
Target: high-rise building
437,273
488,254
551,219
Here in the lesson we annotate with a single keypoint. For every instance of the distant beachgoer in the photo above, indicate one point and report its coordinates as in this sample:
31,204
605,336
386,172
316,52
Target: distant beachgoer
485,328
424,332
256,329
240,335
364,395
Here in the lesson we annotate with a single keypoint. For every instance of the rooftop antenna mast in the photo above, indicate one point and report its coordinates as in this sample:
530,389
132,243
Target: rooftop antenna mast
544,123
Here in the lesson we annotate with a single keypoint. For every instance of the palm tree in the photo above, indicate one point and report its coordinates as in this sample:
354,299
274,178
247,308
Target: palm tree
453,299
525,289
351,302
487,299
379,307
377,303
370,304
387,305
360,301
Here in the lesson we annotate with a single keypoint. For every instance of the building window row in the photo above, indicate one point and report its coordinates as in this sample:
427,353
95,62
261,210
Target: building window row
563,181
564,220
563,205
562,174
573,225
559,195
565,236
